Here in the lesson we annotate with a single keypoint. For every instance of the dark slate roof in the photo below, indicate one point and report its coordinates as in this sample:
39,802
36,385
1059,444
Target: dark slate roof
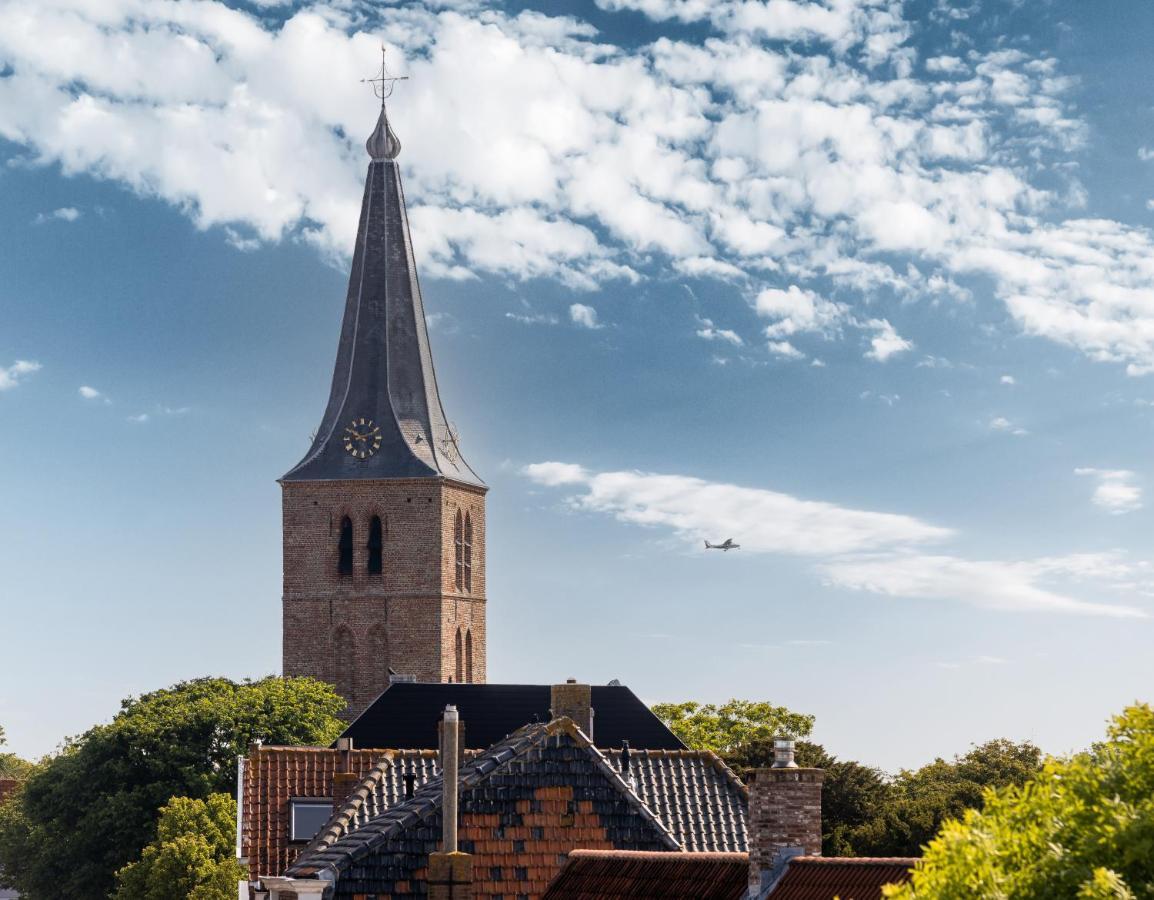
384,368
513,819
840,878
633,875
697,796
406,715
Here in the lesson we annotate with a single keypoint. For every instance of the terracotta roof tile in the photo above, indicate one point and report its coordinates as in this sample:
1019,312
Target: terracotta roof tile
827,878
631,875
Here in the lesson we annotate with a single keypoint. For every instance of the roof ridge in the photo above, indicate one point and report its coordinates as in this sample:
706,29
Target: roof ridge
856,860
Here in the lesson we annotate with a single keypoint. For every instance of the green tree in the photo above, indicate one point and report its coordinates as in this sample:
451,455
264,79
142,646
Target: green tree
1081,828
11,765
193,855
728,728
85,813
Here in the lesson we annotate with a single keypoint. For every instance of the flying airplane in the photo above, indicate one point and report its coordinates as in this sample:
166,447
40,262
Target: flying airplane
727,544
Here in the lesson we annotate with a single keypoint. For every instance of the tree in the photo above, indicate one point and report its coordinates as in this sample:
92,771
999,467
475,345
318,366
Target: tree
193,855
84,814
1080,828
728,728
11,765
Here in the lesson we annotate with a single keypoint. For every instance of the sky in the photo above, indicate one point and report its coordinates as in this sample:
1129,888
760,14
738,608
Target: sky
866,285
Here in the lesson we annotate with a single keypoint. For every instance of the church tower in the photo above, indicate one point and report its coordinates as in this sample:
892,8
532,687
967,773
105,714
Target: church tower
384,520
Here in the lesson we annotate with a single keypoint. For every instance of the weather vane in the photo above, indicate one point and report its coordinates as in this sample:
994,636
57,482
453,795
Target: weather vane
384,83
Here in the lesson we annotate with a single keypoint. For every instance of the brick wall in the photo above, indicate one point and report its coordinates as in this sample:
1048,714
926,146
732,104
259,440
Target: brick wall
349,629
784,814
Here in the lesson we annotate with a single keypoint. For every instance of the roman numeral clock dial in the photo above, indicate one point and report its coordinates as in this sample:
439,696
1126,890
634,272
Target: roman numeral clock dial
362,438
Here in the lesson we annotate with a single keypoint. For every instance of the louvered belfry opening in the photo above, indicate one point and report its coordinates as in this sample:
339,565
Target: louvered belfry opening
376,547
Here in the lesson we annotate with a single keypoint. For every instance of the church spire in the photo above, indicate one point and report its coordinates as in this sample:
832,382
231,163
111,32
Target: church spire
384,417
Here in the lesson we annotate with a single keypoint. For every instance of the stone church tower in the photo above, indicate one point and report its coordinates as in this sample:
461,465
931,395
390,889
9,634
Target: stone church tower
384,521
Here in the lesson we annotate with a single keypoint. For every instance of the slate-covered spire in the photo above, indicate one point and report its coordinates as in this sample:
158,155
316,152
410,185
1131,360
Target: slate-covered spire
384,402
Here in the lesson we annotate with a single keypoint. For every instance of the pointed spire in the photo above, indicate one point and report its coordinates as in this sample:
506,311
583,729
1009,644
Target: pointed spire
383,143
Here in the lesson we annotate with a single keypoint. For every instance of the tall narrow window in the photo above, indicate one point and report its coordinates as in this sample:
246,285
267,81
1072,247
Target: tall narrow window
468,554
459,550
457,653
469,656
375,546
345,662
345,565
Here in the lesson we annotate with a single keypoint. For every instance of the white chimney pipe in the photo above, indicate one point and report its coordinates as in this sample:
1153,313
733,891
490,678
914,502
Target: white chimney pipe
449,756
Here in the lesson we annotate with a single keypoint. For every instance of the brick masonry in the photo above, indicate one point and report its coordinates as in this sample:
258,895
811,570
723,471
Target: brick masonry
784,813
349,630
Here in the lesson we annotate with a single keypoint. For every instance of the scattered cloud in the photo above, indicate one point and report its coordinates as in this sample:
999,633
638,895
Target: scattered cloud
532,318
1146,154
785,350
91,393
887,399
1001,423
584,316
1116,491
1007,379
886,342
64,214
139,419
831,164
14,374
862,550
708,332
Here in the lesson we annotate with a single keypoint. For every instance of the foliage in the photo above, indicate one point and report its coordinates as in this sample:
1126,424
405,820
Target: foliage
193,855
733,725
11,765
1083,827
86,812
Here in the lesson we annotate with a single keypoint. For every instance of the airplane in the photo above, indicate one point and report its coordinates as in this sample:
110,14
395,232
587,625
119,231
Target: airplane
727,544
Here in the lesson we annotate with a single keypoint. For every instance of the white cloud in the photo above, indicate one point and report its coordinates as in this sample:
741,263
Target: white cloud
855,549
139,419
1146,154
91,393
886,342
64,214
1007,379
767,521
990,584
532,318
784,349
585,316
1001,423
707,331
798,311
536,149
1116,491
14,374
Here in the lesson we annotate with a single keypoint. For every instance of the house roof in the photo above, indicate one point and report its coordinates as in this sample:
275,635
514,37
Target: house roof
276,775
406,715
840,878
696,795
384,396
634,875
544,753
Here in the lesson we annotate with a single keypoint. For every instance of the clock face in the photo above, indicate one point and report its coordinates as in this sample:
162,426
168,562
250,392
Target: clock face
362,438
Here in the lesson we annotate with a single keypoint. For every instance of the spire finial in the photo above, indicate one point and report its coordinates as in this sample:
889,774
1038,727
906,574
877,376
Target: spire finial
383,143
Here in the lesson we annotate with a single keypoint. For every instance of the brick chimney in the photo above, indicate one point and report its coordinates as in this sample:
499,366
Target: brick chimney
344,779
574,701
784,817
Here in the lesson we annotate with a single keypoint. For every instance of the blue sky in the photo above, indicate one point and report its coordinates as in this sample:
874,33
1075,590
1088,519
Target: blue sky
866,285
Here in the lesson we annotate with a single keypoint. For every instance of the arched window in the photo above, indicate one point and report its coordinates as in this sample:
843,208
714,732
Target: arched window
469,656
468,554
376,545
457,653
459,550
378,662
345,563
345,662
